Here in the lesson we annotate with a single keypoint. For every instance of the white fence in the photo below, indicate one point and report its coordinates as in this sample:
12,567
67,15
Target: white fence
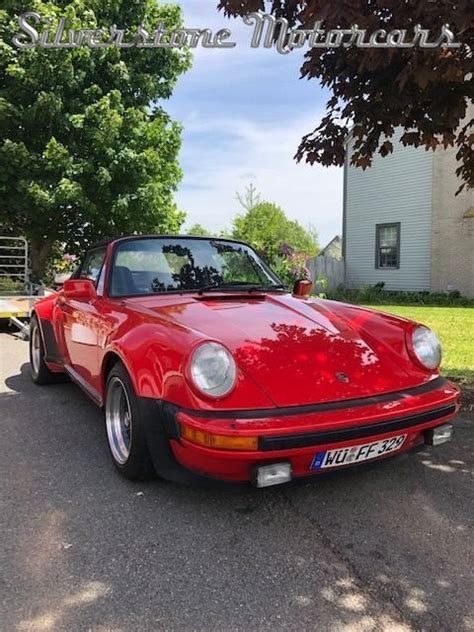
328,268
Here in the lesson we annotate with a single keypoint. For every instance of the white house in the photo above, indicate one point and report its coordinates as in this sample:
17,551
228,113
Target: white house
404,224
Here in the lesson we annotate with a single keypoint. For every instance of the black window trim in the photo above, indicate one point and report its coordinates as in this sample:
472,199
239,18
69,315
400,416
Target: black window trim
398,226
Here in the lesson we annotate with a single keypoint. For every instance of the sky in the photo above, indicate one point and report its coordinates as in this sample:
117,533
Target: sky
243,113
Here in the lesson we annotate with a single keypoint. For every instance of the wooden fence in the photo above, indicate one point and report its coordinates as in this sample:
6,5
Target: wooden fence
327,268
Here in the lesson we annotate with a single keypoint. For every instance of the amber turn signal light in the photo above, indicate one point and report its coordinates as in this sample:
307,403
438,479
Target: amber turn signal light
218,442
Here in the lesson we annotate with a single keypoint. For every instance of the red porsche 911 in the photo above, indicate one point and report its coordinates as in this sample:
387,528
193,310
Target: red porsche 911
207,368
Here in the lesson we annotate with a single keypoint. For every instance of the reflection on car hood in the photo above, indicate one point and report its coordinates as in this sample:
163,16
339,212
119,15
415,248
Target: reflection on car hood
300,352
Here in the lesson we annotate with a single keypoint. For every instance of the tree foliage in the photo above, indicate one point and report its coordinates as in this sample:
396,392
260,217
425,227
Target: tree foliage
266,227
198,230
284,243
82,153
425,91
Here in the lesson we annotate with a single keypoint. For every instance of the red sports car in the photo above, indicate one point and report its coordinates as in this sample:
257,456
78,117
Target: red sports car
208,368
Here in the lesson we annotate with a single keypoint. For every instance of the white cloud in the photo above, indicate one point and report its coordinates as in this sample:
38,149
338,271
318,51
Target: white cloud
262,154
244,112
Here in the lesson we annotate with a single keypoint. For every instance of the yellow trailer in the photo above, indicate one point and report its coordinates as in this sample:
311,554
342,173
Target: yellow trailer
16,306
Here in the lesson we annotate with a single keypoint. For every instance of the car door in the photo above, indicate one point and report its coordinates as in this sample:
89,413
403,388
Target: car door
81,324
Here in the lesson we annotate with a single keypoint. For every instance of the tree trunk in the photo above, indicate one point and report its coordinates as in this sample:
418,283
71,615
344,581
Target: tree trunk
39,253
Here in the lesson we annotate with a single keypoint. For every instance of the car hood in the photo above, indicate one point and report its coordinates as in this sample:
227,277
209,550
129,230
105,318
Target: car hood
301,352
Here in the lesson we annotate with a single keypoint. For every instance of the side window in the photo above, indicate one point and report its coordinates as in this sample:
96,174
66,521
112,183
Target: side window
92,265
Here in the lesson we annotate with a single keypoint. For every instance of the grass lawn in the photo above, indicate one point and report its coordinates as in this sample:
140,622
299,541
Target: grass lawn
454,327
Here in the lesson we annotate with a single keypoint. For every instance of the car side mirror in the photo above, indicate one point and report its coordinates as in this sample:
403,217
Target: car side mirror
302,288
80,290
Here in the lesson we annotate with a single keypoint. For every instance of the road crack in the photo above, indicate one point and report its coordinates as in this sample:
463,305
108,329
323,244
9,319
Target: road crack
372,591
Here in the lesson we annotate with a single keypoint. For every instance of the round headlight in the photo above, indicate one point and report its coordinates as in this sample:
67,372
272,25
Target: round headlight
213,369
426,347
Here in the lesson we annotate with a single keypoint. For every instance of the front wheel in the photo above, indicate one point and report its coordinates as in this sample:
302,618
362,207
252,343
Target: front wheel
125,427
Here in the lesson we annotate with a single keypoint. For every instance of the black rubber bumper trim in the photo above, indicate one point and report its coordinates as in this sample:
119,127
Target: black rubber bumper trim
49,341
160,423
262,413
304,440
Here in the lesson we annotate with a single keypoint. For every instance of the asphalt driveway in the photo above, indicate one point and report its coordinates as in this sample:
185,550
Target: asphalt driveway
383,547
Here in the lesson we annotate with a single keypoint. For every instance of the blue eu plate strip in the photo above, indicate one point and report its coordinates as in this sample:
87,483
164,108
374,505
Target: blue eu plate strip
317,460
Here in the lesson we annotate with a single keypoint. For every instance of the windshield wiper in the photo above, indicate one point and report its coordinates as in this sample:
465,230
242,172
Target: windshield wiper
241,285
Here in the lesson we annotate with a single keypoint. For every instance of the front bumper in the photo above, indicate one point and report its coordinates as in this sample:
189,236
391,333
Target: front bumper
295,435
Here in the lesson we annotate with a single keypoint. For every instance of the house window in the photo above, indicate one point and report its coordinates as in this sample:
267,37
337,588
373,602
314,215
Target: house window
387,246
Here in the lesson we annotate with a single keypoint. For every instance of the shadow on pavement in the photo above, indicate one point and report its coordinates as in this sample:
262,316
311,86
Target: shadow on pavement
373,548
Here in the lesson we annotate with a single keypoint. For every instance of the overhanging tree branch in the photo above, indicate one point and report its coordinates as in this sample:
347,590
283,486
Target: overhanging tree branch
425,91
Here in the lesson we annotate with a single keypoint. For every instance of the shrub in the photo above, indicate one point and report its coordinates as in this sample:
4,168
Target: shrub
9,285
377,295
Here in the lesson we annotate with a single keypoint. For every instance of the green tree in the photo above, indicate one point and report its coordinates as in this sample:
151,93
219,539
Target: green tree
284,243
198,230
83,154
267,228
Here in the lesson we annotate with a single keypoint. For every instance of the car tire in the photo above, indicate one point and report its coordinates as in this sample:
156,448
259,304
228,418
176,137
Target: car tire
125,427
38,367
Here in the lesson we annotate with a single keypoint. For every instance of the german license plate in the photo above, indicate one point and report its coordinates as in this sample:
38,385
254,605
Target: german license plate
357,453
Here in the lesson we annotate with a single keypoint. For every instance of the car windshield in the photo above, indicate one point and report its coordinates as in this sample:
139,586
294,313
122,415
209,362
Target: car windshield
155,265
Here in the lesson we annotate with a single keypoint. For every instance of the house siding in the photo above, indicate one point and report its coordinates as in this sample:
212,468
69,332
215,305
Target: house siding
397,188
452,259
